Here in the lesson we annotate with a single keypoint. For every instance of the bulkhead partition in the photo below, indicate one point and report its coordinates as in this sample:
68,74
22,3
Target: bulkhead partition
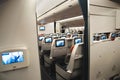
104,50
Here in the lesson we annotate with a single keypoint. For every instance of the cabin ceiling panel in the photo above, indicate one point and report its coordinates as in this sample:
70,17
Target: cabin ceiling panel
75,23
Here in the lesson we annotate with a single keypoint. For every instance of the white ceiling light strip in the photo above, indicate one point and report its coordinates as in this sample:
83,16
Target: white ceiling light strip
71,19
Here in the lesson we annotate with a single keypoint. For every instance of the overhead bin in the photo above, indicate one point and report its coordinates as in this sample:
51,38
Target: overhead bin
68,9
117,1
44,6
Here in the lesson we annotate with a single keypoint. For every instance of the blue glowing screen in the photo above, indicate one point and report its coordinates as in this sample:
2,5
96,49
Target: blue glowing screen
60,43
12,57
48,40
42,28
79,40
41,38
103,37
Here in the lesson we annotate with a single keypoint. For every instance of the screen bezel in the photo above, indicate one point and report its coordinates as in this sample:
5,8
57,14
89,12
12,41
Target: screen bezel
42,29
59,40
77,38
14,66
48,42
4,53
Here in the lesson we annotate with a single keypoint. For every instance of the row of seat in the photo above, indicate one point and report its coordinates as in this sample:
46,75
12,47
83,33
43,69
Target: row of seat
42,36
58,58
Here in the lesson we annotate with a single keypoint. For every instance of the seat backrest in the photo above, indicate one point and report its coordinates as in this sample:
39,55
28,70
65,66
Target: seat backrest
40,38
46,43
60,47
76,55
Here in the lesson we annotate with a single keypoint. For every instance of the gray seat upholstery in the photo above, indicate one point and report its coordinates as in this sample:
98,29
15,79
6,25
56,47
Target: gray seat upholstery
40,38
45,46
73,68
56,54
39,43
45,49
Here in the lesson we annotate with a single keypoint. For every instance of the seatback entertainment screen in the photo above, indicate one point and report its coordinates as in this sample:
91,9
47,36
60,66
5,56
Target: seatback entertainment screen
41,38
42,28
48,40
78,40
60,43
12,57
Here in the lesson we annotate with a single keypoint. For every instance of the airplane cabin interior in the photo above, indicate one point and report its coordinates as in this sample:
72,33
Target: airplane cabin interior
59,39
